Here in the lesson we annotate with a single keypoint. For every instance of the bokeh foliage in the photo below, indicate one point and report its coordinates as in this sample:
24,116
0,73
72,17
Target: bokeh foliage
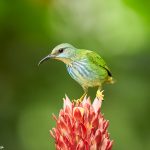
117,29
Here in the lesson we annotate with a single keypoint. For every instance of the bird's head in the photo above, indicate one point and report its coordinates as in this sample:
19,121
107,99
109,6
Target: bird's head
63,52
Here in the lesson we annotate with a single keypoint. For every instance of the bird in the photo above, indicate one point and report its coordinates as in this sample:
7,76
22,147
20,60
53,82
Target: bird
85,66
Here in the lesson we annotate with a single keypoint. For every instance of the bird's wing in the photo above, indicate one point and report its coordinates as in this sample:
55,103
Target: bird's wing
96,59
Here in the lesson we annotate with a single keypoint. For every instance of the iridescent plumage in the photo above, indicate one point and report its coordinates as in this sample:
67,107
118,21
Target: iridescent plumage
84,66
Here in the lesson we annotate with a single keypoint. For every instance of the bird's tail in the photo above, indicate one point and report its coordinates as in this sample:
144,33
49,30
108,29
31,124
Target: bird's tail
111,80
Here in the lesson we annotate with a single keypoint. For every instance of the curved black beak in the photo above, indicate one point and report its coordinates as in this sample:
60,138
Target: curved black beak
45,58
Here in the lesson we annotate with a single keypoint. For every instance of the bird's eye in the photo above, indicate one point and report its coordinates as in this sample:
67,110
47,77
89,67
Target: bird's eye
61,50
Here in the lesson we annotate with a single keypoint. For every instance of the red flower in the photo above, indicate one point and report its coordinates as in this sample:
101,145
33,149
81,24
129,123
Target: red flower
81,126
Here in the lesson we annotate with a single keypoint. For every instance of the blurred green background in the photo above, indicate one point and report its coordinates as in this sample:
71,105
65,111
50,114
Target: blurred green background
118,29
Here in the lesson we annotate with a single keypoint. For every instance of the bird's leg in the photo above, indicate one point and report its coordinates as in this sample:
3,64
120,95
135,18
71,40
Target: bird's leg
99,93
82,97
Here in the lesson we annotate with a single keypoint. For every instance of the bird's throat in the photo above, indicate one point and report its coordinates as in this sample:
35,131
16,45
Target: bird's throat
67,61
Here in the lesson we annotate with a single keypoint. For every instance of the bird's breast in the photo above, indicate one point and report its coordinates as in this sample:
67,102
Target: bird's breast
82,73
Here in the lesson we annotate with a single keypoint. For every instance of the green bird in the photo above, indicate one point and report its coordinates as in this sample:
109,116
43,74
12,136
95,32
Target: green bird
84,66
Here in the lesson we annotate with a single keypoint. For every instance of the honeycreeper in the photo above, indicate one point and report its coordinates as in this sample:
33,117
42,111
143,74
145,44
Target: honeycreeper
84,66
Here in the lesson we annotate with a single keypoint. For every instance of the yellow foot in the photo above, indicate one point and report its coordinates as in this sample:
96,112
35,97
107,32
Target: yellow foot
77,101
80,99
100,95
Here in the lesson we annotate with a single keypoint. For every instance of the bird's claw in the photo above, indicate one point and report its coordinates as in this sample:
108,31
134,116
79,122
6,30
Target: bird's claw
80,99
77,101
100,95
